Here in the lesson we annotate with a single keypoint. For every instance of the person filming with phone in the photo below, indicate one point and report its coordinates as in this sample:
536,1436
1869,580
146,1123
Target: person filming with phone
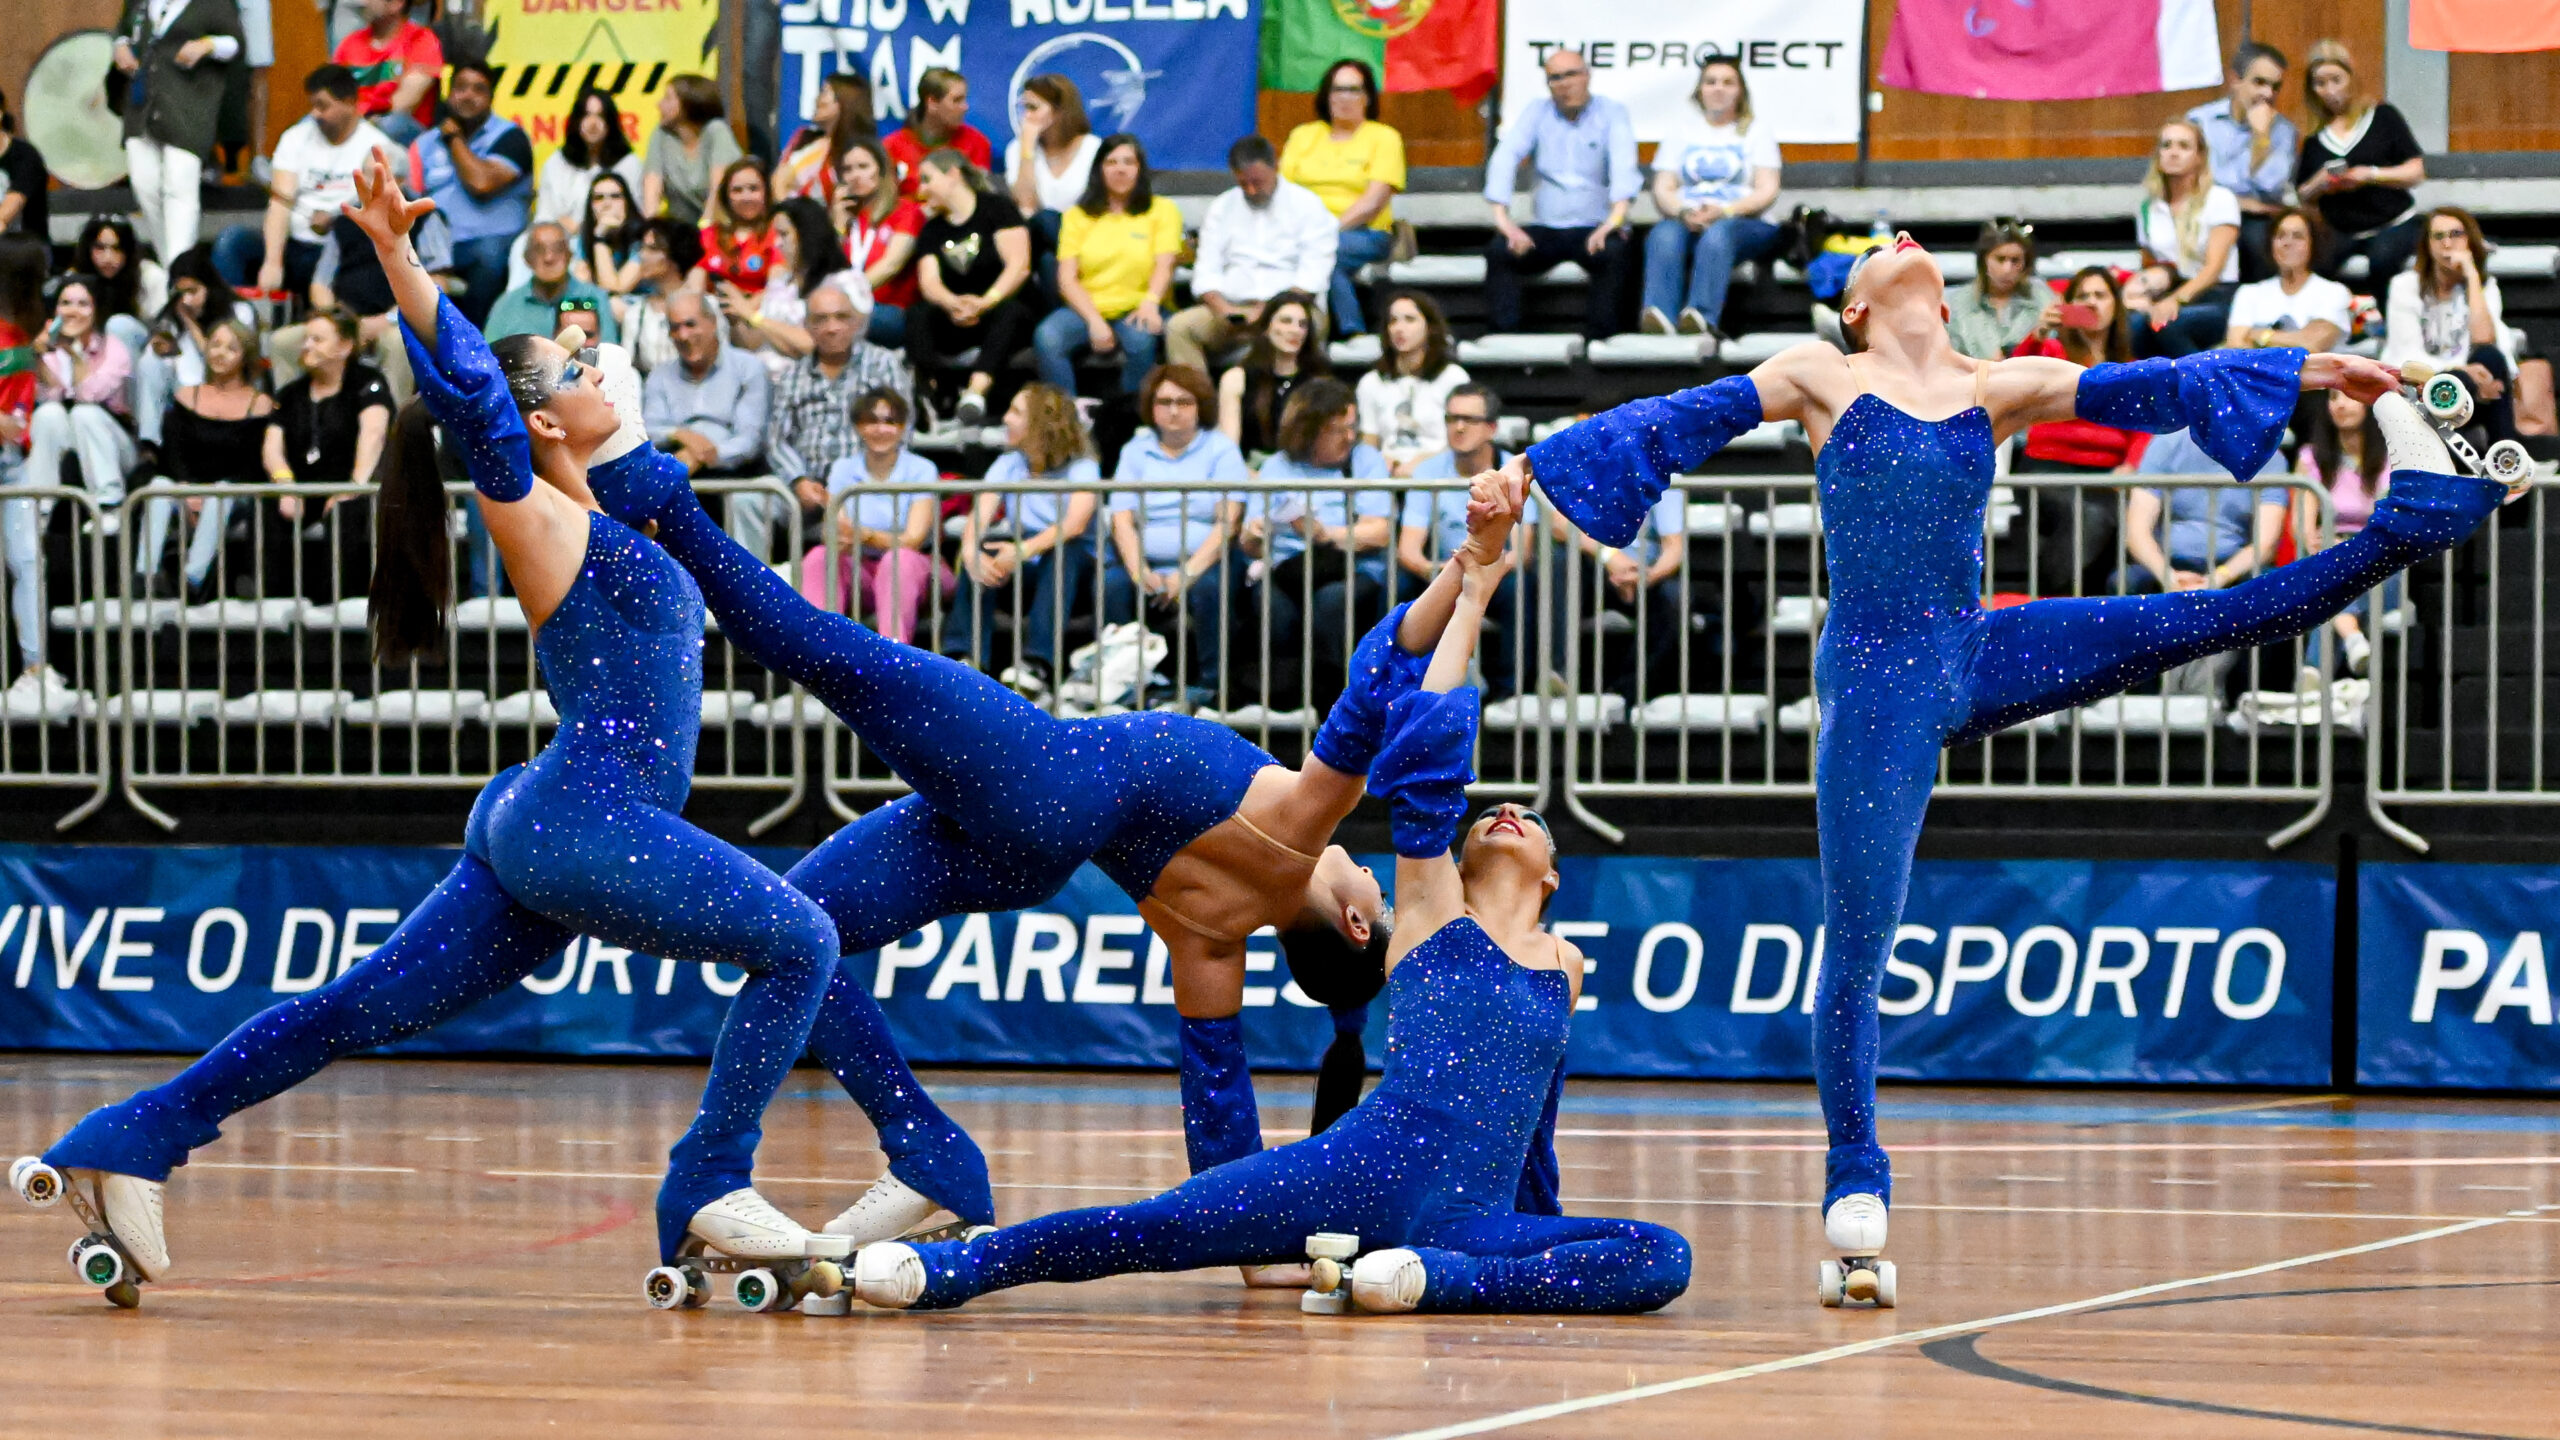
553,297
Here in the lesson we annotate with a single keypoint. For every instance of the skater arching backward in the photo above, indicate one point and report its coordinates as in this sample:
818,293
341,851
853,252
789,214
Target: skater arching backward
585,839
1904,431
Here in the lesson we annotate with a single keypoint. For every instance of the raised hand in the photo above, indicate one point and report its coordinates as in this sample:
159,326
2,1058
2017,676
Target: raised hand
2366,380
381,211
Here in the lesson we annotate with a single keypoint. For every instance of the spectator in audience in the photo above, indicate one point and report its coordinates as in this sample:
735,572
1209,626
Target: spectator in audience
478,168
1583,148
972,258
215,428
940,121
328,428
2359,164
1260,237
607,244
553,297
2293,306
1282,353
80,399
2252,147
1403,395
1048,165
397,62
1115,268
37,689
2345,457
178,54
709,408
668,251
2446,311
26,205
879,228
1170,544
691,146
1434,525
1325,550
1646,572
594,146
1714,178
2086,327
885,534
1040,546
2191,224
840,116
124,283
807,257
2003,306
1355,165
2219,535
174,355
312,179
737,231
818,399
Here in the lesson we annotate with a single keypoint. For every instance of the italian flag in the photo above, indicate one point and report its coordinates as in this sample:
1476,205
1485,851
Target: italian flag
1452,45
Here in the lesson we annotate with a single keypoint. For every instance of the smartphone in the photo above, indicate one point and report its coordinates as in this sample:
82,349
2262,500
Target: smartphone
2335,165
2079,317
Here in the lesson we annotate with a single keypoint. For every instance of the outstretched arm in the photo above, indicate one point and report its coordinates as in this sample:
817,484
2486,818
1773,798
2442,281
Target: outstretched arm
2237,402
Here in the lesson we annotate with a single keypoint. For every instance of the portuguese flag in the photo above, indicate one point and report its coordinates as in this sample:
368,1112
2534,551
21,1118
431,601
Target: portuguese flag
1453,45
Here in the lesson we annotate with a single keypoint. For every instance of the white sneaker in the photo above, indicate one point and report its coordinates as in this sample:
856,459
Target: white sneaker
2358,652
40,694
889,1275
1653,321
745,1224
889,1209
131,1207
1855,1225
1387,1282
1693,321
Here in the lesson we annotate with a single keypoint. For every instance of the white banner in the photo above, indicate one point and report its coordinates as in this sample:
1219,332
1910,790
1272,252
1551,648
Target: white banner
1800,57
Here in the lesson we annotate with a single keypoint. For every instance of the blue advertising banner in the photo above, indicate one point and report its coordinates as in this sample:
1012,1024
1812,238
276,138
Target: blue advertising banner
1179,74
2019,970
2453,982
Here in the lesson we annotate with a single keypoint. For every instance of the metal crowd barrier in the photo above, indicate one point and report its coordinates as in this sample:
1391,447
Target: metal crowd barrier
55,734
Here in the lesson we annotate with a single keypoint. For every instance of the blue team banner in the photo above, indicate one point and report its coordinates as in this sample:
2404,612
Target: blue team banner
2020,970
1179,74
2453,976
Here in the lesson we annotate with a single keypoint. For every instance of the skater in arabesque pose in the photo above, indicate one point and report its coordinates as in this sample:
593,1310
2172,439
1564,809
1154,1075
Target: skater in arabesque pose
585,839
1909,662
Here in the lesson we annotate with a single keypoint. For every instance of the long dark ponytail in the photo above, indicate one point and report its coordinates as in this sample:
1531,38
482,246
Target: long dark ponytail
412,591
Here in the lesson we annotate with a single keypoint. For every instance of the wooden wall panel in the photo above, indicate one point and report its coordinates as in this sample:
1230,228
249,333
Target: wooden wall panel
302,44
2505,102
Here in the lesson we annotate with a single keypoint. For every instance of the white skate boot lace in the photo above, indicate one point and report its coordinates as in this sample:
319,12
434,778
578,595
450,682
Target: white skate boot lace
748,1208
890,1208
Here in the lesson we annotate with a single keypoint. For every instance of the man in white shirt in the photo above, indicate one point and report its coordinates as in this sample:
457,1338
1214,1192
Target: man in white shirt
314,178
1260,238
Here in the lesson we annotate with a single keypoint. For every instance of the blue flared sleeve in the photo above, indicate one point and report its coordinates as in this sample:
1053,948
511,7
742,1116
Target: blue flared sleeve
1604,473
460,381
1425,766
2237,402
1381,670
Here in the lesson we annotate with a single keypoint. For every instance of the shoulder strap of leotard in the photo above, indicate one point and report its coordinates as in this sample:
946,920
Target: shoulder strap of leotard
1266,838
1981,385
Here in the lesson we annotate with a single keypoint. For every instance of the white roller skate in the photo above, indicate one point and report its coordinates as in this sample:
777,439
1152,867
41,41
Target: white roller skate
1854,1227
776,1261
1387,1282
894,1210
1328,1254
127,1244
889,1275
2429,433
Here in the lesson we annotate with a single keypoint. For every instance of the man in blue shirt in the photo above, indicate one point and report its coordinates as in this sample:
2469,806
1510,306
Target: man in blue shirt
553,297
1582,148
2253,147
708,407
478,169
1434,525
2218,535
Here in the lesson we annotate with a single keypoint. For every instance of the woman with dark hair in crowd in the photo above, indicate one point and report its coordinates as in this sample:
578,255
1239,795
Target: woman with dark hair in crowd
2003,305
885,547
839,118
2445,311
25,204
36,689
1166,543
690,149
594,146
1283,352
879,227
2295,305
174,356
806,255
667,252
2346,457
1048,165
1354,163
737,231
1115,271
216,433
1328,550
81,409
128,286
2359,162
1402,397
608,237
329,428
1041,546
972,258
2086,327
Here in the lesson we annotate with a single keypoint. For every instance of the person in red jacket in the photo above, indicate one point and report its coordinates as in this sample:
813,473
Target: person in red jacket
2088,330
939,121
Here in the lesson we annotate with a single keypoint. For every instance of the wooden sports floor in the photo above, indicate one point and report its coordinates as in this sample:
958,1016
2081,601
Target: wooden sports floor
448,1248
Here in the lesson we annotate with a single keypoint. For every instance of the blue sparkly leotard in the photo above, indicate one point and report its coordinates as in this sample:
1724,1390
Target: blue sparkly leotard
1910,662
584,839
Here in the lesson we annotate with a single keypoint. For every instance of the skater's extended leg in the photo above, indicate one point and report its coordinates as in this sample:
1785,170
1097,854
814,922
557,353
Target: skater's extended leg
1530,1265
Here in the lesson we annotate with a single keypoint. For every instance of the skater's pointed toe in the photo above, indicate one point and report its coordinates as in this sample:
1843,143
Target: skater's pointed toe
1855,1224
1388,1282
889,1275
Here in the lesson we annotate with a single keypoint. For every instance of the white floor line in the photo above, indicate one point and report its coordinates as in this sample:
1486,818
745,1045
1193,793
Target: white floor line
1562,1408
326,1169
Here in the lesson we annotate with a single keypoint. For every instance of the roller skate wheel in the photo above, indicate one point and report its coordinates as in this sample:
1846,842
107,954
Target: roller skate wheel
1830,1287
125,1295
98,1263
1860,1284
1315,1303
2447,400
36,1182
1884,1285
673,1287
1331,1245
2508,464
760,1290
840,1303
1325,1275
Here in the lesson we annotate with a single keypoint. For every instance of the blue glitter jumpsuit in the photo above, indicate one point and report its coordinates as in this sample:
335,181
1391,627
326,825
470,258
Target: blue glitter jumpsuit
1429,1159
585,839
1909,662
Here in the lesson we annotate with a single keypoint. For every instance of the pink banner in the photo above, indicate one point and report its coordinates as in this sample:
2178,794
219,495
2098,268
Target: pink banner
2051,49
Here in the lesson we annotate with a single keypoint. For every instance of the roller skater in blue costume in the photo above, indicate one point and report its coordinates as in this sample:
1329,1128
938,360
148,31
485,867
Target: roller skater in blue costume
586,839
1208,833
1904,429
1417,1180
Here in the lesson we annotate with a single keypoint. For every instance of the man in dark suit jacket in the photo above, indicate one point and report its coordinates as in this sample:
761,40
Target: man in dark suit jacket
176,54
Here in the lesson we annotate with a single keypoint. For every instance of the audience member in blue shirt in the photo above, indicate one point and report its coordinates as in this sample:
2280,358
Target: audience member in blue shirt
2218,535
1172,544
1434,525
478,168
1582,149
2252,146
1033,551
885,531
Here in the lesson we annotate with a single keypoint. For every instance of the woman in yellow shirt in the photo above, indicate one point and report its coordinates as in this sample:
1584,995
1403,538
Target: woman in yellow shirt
1115,268
1355,166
